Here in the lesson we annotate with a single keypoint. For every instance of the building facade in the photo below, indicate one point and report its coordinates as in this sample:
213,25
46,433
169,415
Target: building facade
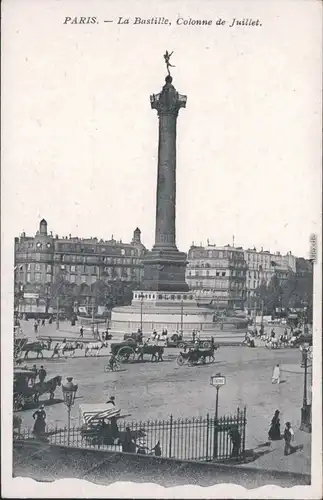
217,275
44,259
262,265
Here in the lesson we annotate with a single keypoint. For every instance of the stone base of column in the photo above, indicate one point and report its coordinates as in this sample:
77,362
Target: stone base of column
164,270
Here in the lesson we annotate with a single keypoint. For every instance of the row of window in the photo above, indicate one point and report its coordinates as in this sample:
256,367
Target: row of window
94,259
216,254
164,296
87,249
38,267
217,273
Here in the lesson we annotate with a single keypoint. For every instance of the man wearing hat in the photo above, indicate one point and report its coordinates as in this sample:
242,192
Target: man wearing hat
288,436
128,444
236,441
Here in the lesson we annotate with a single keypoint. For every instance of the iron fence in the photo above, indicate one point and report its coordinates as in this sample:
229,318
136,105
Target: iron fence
200,439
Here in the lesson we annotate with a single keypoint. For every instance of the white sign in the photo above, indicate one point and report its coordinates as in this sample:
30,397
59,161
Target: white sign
218,380
313,247
31,295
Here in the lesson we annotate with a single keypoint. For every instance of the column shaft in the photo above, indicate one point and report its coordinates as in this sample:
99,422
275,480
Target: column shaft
166,183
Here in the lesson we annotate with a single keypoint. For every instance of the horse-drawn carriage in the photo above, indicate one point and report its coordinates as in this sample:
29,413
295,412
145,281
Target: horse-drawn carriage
196,355
23,393
129,351
99,425
27,392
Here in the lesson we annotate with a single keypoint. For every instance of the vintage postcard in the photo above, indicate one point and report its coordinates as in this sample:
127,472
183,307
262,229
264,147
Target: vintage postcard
161,249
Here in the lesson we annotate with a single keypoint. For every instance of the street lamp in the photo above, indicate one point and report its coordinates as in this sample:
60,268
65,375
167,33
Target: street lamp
182,314
217,381
306,408
141,297
69,393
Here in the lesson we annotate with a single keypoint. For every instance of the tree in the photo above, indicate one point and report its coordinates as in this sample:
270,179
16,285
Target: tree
270,294
298,289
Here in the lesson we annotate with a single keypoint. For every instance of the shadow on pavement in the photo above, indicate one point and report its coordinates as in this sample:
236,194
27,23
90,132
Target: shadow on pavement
47,402
294,449
252,455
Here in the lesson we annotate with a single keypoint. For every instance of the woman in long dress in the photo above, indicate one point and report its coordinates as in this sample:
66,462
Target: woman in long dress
274,430
40,423
276,375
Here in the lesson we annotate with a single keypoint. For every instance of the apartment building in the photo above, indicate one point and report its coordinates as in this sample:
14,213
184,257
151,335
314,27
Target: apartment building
217,275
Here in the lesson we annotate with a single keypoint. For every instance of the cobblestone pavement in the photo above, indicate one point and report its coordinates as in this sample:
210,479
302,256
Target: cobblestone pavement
156,390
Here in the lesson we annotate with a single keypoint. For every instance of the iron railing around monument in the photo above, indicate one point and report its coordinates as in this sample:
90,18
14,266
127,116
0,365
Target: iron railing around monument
200,439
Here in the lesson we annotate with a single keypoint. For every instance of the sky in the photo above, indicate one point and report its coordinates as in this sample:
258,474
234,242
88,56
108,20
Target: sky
80,139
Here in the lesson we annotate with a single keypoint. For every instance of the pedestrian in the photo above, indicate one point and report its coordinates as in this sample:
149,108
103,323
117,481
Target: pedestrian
128,443
276,375
236,441
35,326
50,321
34,376
43,322
55,351
81,332
273,335
157,450
288,437
42,374
274,430
111,400
40,423
142,447
193,336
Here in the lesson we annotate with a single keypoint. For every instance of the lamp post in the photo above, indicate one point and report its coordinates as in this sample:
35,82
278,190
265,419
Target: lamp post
217,381
141,297
93,307
69,393
182,314
306,408
57,312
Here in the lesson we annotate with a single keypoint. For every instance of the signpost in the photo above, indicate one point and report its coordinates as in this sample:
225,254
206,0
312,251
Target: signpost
217,381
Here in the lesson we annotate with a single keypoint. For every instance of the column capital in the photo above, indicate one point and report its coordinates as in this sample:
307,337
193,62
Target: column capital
168,101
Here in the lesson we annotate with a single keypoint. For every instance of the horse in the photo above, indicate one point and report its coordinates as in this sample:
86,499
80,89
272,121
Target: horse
47,387
95,346
209,353
37,347
193,356
154,350
272,343
70,347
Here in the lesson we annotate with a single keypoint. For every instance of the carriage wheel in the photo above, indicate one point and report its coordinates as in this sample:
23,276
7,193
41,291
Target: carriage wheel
18,401
181,345
126,354
206,344
17,352
180,360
